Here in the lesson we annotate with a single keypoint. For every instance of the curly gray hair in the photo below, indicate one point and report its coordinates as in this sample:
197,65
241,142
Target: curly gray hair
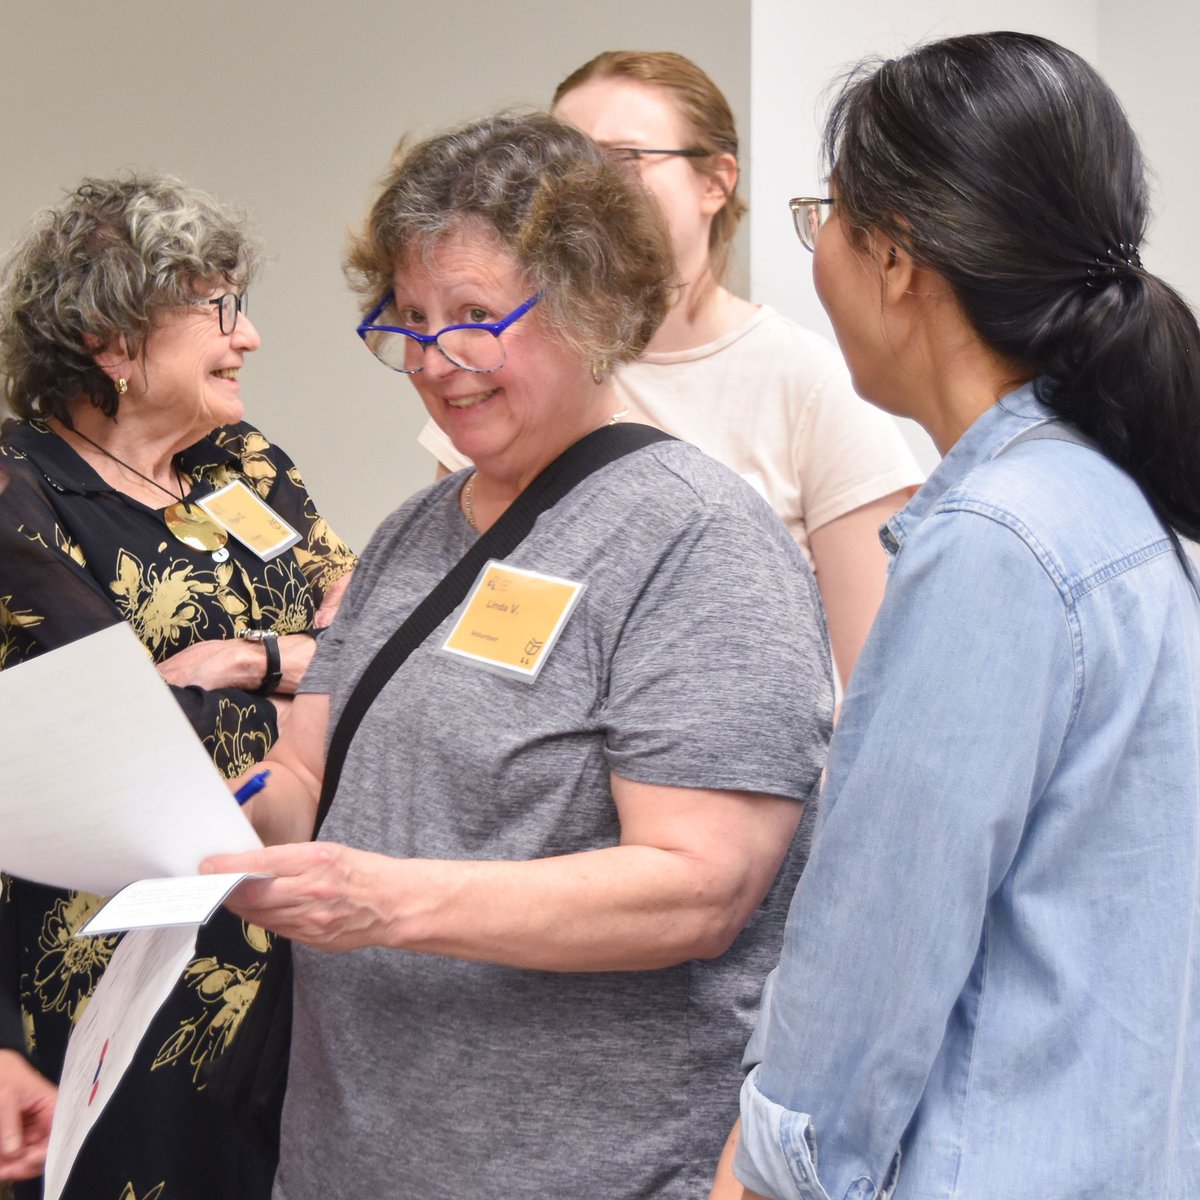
103,265
585,236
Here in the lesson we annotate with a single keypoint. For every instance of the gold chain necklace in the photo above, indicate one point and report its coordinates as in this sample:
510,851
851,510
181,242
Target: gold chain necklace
468,488
187,524
468,496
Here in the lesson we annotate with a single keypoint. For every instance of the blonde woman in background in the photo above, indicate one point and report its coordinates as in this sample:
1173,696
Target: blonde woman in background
749,387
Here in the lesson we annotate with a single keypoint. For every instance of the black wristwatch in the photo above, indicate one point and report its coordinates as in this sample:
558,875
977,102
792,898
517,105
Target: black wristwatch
270,643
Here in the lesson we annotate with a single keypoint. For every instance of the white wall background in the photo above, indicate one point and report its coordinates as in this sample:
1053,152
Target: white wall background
290,108
1145,51
794,59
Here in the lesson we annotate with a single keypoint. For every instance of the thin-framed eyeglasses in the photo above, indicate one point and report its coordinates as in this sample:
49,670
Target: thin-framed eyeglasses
809,213
472,346
632,155
228,306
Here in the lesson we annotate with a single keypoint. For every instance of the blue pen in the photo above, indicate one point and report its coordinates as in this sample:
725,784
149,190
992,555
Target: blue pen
251,787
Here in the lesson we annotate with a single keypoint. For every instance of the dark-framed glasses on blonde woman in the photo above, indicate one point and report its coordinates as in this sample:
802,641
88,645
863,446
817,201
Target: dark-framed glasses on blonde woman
809,213
633,155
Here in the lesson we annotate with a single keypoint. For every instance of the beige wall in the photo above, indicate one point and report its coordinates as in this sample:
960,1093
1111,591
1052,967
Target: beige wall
1145,51
291,109
794,60
1148,54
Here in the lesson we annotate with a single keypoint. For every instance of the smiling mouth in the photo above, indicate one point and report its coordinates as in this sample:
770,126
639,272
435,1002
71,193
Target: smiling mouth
227,373
471,401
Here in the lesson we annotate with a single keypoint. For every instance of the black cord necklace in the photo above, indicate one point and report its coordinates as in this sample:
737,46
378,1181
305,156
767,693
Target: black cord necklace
186,522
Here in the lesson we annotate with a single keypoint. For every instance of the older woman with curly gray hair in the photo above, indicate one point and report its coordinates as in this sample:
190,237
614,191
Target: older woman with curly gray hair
123,331
559,861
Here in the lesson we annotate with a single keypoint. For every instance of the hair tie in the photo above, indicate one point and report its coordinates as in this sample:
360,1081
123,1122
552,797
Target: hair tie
1124,255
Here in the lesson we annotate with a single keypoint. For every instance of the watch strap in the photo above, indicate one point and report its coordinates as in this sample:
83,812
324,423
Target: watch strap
274,671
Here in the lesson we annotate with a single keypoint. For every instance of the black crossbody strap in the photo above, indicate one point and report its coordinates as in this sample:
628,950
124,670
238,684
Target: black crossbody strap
599,448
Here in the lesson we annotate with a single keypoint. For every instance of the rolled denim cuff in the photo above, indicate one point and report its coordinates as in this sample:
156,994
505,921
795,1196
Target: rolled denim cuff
776,1152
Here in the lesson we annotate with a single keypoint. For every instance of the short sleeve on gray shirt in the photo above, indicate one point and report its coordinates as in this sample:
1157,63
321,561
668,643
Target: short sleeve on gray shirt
695,658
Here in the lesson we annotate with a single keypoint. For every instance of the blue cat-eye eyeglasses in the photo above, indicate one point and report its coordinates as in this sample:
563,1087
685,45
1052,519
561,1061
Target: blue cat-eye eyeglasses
473,347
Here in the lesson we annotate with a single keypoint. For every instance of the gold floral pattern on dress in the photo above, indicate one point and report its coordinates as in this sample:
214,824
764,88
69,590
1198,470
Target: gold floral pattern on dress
32,535
70,967
238,740
237,603
256,468
165,605
227,992
323,556
157,1192
12,620
286,600
257,938
69,546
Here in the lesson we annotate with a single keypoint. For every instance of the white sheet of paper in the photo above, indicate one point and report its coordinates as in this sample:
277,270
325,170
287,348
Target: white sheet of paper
154,903
140,975
104,781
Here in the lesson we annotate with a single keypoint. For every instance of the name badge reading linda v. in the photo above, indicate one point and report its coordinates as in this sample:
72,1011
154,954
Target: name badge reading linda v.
511,619
252,521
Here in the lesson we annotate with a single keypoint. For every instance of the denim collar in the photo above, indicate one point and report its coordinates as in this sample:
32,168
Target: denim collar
986,437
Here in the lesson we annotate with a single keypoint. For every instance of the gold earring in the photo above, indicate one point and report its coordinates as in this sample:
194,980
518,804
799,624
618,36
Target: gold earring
600,369
122,386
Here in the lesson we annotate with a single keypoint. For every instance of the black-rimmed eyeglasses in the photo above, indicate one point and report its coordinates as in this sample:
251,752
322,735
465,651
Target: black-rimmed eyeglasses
473,346
808,215
228,306
634,154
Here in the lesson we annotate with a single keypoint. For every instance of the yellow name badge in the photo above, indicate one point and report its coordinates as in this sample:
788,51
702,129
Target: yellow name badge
252,521
511,619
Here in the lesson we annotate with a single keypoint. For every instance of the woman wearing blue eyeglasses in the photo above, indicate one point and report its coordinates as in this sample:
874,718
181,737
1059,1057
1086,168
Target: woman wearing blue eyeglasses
123,331
767,398
558,889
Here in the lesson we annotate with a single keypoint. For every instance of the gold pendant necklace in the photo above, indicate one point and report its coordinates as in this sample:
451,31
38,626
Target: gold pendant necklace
195,528
186,523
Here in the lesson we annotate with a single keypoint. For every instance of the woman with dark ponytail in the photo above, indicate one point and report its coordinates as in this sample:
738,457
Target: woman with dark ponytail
989,986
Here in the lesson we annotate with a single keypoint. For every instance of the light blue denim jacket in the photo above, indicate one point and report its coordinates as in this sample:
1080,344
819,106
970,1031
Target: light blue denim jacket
988,988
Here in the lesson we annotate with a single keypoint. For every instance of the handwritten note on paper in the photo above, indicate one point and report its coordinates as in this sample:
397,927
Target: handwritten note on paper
104,779
148,903
143,970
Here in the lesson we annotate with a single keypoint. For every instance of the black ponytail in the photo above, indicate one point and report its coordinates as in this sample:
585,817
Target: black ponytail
1004,163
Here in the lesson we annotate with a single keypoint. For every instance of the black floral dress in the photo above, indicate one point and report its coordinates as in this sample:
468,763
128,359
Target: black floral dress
77,556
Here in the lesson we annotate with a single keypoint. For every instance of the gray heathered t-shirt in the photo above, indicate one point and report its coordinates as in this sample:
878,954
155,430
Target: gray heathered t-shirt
696,658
